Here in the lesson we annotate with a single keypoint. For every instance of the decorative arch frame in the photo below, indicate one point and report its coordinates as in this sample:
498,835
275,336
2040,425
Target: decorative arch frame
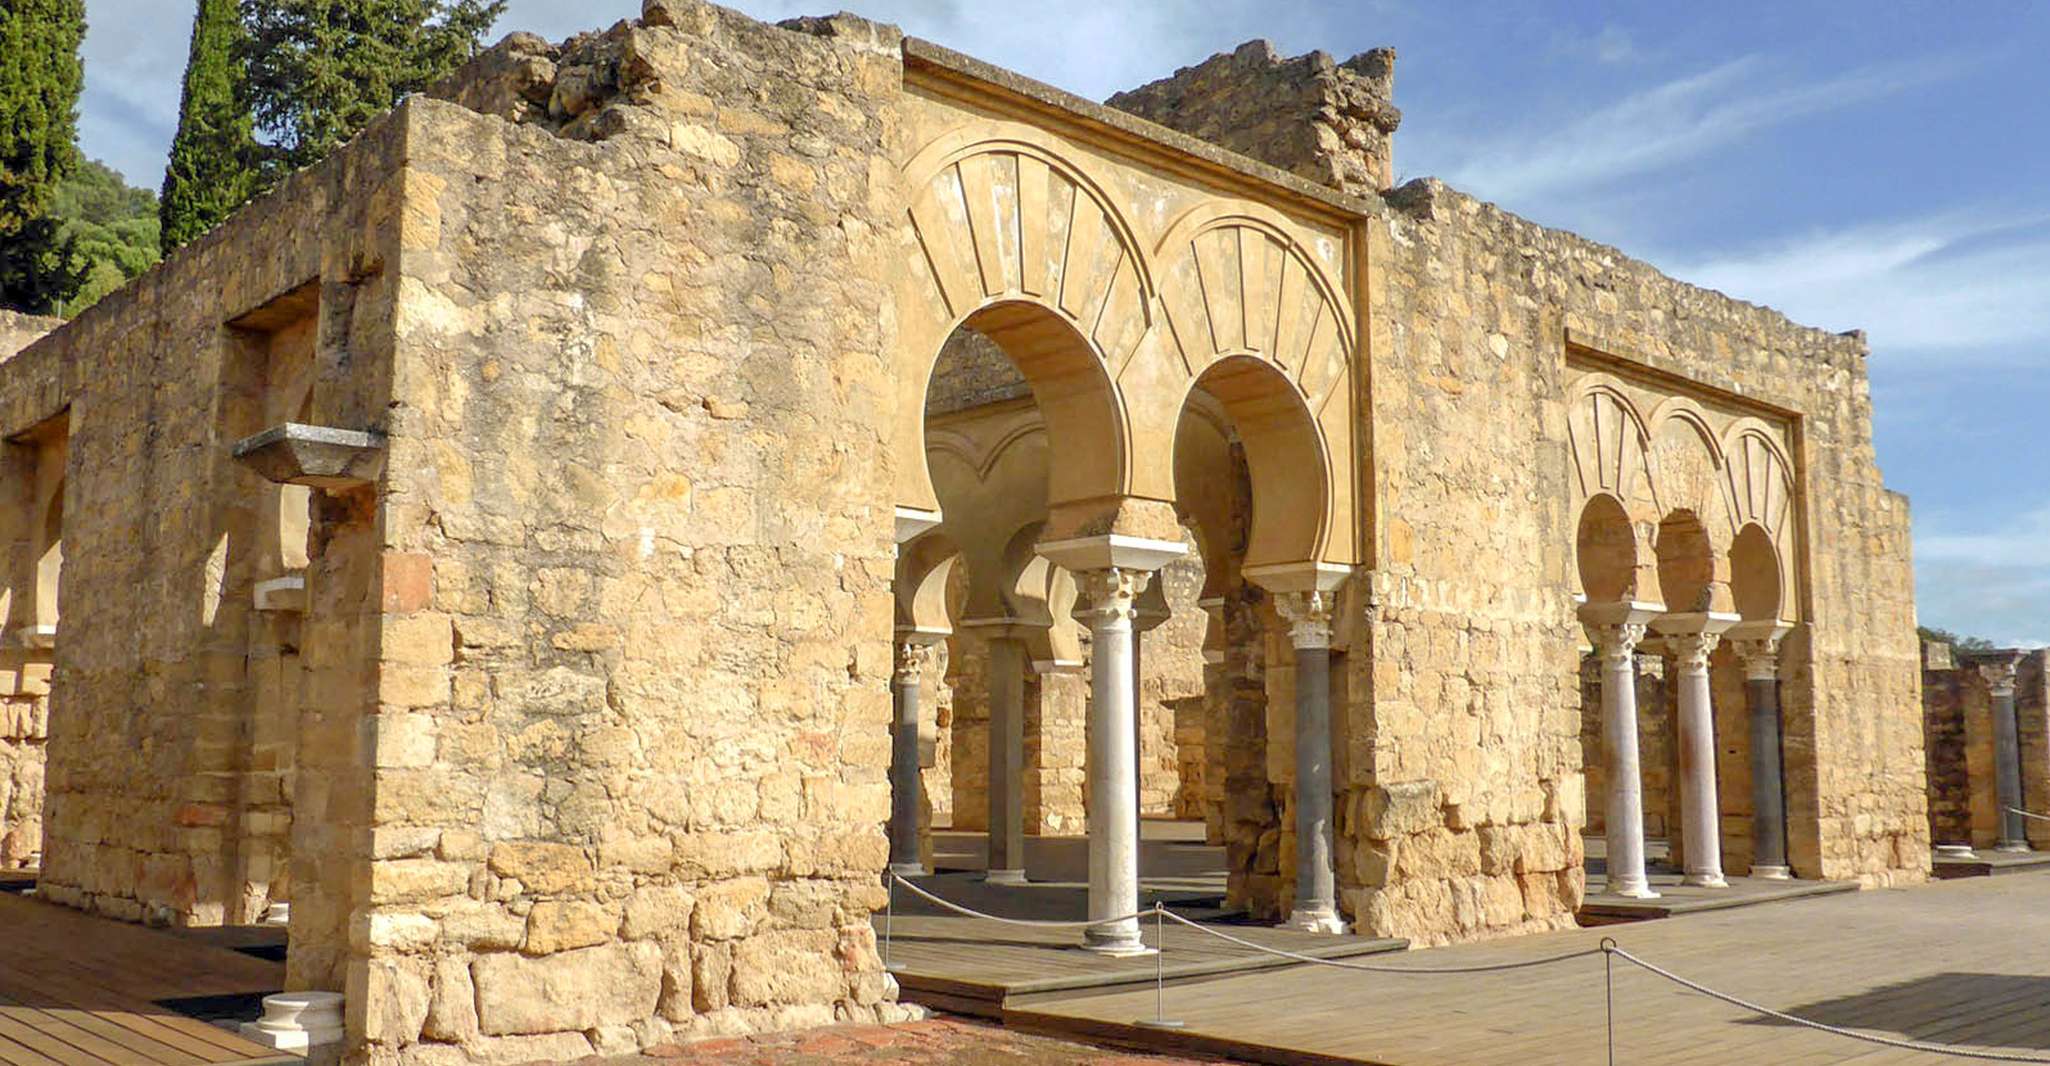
1763,490
998,214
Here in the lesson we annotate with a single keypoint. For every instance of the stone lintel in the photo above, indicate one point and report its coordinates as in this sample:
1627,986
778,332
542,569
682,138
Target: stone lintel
1107,550
1687,623
321,457
1280,578
911,521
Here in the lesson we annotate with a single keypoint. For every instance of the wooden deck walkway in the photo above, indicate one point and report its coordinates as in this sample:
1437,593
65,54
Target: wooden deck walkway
1955,962
81,991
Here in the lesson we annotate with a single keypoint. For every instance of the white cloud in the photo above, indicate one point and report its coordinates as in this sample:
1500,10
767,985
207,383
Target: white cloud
1957,286
1986,577
1654,128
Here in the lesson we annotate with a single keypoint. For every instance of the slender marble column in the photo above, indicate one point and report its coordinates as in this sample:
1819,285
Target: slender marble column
1768,790
1616,644
904,778
1006,761
2007,753
1105,604
1316,897
1698,807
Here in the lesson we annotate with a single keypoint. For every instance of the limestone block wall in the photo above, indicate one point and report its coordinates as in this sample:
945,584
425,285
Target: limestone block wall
24,673
1473,312
631,750
1333,123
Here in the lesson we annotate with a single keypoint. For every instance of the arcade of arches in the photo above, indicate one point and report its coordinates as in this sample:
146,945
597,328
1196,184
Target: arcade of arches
590,527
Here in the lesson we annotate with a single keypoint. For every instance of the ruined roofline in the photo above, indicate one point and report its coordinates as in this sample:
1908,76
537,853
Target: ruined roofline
943,65
1422,199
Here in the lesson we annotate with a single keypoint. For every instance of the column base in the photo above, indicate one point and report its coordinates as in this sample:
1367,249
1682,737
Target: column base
1772,873
1120,945
909,869
1315,920
1637,888
1004,877
1705,880
2012,847
302,1023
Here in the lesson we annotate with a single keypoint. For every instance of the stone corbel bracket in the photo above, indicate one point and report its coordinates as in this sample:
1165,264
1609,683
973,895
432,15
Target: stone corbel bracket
322,457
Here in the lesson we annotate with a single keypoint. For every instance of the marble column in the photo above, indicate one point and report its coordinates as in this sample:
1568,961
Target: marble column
1006,761
905,784
1616,644
1699,811
1760,656
1308,615
2007,751
1105,604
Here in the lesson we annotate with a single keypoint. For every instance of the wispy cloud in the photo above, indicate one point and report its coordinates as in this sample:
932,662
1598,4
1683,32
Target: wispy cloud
1986,578
1611,44
1965,286
1658,127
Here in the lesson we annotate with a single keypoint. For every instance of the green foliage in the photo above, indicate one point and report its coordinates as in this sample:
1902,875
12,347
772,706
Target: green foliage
109,228
40,74
215,163
1957,643
320,70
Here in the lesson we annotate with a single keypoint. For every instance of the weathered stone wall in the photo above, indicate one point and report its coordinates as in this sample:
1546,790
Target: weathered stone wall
1658,761
1957,722
1943,725
631,749
1333,123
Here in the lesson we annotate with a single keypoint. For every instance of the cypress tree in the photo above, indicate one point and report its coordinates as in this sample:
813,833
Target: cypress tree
214,164
321,70
40,74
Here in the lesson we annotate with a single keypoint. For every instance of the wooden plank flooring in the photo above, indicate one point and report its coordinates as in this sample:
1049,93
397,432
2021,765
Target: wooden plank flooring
77,991
1957,962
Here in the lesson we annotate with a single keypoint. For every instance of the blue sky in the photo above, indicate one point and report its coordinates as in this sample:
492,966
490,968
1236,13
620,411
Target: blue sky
1857,165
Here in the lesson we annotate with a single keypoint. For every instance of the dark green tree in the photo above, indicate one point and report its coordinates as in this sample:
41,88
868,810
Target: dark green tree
320,70
110,227
215,165
40,74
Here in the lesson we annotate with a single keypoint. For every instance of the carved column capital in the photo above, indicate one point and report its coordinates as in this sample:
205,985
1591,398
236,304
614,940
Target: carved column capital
1760,656
1615,642
911,657
1998,675
1690,651
1308,615
1107,596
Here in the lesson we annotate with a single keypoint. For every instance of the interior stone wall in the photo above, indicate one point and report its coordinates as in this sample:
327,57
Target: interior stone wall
1943,725
164,799
24,672
1957,721
1658,760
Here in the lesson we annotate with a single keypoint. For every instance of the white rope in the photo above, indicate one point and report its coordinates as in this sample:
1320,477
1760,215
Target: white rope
1367,968
1028,922
1854,1034
2030,814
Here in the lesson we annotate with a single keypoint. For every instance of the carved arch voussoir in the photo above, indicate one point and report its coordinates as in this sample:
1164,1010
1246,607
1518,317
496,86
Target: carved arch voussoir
1609,445
1003,211
1237,281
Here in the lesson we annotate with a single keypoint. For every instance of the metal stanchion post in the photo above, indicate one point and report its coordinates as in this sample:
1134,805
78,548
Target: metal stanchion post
1609,995
889,919
1160,1020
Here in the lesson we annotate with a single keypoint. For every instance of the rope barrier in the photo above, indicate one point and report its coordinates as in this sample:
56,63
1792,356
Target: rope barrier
1031,923
1362,967
1854,1034
2030,814
1608,949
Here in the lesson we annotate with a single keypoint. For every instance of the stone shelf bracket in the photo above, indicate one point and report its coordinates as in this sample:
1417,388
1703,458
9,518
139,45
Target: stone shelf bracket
323,457
287,593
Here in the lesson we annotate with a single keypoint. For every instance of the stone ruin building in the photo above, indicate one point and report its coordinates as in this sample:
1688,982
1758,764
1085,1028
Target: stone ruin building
532,541
1986,723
